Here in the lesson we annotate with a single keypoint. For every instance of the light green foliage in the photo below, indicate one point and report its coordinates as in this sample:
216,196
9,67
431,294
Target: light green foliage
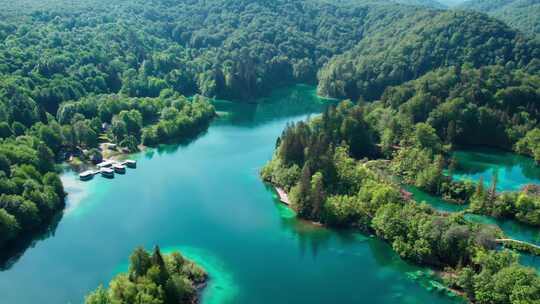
418,166
150,121
425,137
181,119
530,144
98,296
349,172
523,206
342,209
152,279
279,175
500,280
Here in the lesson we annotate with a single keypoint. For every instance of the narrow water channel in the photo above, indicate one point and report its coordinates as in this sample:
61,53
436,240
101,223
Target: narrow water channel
206,199
513,172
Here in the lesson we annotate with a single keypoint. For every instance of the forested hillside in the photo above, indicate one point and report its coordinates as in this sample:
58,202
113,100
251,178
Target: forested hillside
242,49
415,46
426,3
346,168
521,14
233,49
77,73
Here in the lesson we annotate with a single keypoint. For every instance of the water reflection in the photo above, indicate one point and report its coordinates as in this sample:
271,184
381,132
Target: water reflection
513,171
350,244
12,253
282,103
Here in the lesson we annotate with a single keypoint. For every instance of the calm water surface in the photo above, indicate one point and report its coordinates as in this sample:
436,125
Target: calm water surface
513,171
206,199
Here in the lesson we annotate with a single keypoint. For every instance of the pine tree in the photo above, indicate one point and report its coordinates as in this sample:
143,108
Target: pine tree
317,195
478,199
492,192
157,260
302,198
139,263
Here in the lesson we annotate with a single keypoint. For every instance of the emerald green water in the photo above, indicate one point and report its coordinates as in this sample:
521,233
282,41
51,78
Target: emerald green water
511,228
206,199
436,202
513,171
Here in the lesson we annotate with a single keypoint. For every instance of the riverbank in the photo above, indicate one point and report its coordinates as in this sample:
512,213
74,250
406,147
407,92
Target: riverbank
441,273
336,187
237,224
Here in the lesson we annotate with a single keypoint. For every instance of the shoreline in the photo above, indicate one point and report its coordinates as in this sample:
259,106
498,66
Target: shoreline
440,273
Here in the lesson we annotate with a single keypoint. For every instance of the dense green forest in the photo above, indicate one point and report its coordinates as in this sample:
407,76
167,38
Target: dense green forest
426,3
415,125
31,192
332,168
521,14
153,278
241,49
132,120
77,73
416,45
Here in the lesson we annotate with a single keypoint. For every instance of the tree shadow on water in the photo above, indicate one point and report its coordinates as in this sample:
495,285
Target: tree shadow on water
13,251
174,145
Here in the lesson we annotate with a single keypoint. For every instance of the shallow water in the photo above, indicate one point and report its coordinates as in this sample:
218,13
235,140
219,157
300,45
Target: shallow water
511,228
513,171
434,201
206,199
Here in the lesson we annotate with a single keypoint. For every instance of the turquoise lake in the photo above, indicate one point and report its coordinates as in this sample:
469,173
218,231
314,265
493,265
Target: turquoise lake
205,198
513,171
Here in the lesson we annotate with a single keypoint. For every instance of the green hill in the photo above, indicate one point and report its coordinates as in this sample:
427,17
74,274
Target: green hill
426,3
521,14
415,45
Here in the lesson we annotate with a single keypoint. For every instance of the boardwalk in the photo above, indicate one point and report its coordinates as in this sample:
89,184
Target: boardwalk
283,196
520,246
503,241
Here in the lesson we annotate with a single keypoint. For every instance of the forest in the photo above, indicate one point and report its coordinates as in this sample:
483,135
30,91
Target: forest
521,14
420,82
335,172
153,278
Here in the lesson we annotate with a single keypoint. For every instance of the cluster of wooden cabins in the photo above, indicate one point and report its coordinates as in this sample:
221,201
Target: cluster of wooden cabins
108,168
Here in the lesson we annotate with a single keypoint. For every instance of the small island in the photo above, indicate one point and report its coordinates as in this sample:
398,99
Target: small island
153,278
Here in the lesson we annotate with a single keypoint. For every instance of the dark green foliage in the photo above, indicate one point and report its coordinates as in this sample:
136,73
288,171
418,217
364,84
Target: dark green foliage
31,192
521,14
64,50
420,43
155,278
337,187
490,106
231,49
